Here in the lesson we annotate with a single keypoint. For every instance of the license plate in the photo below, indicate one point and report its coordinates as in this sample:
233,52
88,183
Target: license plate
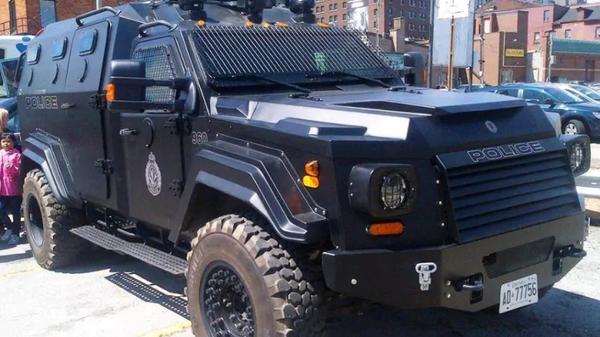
518,293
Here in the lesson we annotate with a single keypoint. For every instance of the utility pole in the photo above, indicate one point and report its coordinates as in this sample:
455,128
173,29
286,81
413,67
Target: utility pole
430,60
451,58
98,4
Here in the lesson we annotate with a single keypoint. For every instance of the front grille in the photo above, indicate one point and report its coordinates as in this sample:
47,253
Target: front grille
496,197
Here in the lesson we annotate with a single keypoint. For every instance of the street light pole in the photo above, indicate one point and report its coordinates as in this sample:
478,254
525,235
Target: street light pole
98,4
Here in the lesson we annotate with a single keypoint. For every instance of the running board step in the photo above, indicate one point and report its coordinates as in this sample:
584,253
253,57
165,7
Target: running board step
140,251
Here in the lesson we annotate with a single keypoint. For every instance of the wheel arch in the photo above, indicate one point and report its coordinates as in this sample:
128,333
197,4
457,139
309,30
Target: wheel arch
39,153
223,185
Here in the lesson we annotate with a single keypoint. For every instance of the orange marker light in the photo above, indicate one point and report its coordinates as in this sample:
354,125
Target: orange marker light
201,23
111,92
312,168
249,24
281,24
386,229
310,182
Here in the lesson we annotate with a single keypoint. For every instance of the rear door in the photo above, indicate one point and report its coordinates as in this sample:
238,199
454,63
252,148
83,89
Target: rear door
85,135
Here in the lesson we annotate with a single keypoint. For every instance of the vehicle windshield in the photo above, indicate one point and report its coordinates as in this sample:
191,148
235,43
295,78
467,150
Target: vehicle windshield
589,92
234,56
563,96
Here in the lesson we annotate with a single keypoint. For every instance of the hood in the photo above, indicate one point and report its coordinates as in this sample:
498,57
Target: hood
443,120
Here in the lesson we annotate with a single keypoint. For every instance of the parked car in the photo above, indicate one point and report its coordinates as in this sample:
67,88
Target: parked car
578,116
584,92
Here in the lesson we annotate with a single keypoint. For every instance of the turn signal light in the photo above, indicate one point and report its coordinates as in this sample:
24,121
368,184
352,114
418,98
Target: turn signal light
310,182
312,168
386,228
201,23
111,91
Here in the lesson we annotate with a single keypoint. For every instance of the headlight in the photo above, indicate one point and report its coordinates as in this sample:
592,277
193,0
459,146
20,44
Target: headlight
596,114
576,157
394,191
578,148
383,190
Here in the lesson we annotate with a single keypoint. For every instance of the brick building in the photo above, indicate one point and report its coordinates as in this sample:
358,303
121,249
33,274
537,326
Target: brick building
563,42
501,43
381,14
29,16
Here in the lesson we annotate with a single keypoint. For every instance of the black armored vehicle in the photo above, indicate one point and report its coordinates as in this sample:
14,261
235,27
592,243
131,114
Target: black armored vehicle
274,161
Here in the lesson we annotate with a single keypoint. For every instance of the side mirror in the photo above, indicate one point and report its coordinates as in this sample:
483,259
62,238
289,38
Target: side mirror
129,69
127,88
550,102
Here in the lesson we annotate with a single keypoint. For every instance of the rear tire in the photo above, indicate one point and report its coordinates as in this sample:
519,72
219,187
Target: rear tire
241,282
47,224
574,127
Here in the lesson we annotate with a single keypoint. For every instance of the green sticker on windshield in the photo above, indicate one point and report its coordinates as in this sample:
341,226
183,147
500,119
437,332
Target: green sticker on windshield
321,61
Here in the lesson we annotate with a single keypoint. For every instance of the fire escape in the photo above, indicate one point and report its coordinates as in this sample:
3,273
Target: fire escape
20,26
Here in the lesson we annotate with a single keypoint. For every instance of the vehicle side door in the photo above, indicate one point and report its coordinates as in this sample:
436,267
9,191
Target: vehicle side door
150,141
539,97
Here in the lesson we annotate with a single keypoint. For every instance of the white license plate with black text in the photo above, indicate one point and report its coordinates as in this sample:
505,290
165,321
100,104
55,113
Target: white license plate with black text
518,293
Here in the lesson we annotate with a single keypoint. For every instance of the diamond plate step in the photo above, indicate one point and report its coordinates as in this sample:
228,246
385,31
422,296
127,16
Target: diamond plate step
140,251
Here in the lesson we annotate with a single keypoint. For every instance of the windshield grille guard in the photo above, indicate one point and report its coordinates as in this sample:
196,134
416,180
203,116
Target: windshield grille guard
230,52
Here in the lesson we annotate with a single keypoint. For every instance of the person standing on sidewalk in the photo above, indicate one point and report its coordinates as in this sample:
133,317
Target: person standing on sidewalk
10,190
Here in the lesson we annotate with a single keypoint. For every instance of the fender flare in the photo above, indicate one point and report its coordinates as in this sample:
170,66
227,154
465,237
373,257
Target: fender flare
247,182
41,149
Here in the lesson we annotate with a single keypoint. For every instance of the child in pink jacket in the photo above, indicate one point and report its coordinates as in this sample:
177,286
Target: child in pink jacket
10,189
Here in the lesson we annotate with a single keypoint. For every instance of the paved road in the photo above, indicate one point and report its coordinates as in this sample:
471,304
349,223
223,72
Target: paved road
112,295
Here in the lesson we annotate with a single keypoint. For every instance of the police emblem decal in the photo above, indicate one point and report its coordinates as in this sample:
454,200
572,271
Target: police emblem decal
491,126
153,176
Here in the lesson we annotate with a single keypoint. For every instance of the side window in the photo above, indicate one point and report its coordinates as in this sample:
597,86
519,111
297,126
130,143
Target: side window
534,96
509,92
159,66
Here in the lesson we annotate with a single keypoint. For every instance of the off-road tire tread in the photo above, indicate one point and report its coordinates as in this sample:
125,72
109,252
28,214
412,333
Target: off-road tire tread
64,247
292,285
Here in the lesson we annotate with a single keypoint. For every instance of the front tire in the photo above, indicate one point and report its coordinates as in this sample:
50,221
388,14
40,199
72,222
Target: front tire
47,224
241,282
574,127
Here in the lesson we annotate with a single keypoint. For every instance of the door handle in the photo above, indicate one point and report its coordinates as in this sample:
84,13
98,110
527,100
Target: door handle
128,132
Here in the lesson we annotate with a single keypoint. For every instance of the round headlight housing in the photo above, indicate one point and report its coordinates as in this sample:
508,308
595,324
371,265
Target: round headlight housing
576,156
394,191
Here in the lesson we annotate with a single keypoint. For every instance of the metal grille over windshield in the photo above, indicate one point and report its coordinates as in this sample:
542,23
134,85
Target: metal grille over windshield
294,52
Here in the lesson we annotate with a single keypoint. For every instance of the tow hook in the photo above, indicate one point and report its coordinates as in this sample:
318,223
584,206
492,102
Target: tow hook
471,283
563,252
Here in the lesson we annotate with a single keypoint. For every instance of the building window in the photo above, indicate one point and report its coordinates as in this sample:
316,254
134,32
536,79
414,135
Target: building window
568,34
12,14
487,26
537,37
344,16
330,7
344,4
411,14
334,6
547,16
413,3
411,27
47,12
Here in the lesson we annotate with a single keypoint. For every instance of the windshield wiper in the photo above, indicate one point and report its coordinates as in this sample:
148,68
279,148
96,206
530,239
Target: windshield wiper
347,74
271,80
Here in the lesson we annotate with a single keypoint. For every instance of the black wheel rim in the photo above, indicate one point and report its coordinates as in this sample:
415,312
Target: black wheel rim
226,305
34,222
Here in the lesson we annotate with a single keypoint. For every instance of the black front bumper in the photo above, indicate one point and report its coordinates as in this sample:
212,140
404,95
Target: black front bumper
549,250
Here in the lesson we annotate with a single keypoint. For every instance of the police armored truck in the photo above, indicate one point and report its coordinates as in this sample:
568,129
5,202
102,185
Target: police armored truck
273,161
